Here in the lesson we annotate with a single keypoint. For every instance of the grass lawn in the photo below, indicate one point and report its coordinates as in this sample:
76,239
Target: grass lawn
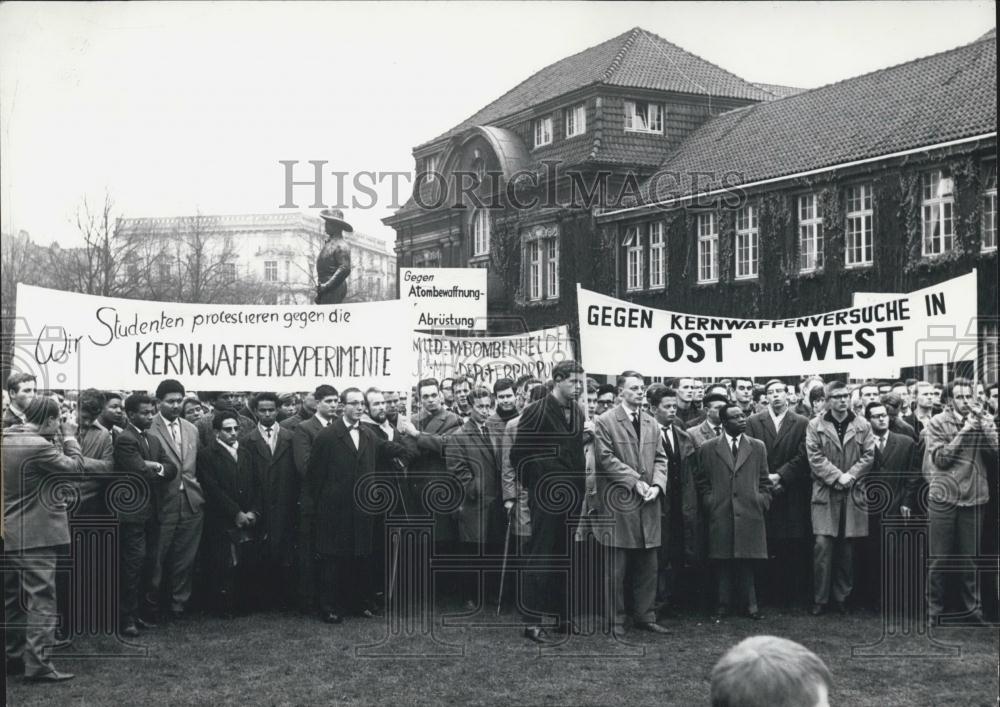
277,658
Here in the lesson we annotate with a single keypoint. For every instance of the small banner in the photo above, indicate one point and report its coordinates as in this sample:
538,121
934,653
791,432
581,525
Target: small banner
444,298
487,359
71,340
891,331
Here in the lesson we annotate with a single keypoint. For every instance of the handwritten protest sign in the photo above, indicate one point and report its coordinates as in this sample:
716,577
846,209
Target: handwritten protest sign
488,359
444,298
76,341
886,332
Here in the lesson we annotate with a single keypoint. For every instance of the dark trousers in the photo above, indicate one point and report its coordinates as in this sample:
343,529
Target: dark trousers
833,569
787,575
630,577
548,568
137,557
954,534
30,607
345,584
305,563
736,585
180,535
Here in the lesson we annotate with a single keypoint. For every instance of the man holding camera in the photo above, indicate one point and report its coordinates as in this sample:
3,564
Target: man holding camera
958,444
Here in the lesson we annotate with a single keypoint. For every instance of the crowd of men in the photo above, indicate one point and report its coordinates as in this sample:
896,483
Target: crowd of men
738,492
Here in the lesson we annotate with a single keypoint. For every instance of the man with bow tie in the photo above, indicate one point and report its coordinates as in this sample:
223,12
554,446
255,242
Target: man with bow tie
735,492
471,457
269,454
631,477
343,455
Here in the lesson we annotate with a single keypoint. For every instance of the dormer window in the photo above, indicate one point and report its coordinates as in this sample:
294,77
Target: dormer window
543,131
643,117
576,120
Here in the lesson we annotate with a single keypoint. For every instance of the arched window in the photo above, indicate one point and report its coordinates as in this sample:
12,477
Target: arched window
481,233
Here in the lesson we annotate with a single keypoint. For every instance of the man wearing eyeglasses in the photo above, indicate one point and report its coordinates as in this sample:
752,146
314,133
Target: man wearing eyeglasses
841,448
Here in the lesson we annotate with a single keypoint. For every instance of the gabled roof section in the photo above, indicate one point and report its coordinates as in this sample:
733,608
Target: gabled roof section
944,97
635,59
778,90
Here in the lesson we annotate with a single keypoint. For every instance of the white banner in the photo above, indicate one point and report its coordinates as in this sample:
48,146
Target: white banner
444,298
81,341
487,359
891,332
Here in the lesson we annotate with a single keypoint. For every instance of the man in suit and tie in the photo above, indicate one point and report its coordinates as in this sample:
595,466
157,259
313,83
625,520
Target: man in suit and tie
112,417
711,426
548,458
268,451
21,389
895,474
631,477
326,398
307,408
735,491
682,546
472,459
431,430
344,454
35,526
789,533
141,458
181,515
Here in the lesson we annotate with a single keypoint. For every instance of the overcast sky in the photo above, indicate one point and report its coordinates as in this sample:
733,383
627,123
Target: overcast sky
175,108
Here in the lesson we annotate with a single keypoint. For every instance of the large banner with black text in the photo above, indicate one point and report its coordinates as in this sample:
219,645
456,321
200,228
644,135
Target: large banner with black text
78,341
893,331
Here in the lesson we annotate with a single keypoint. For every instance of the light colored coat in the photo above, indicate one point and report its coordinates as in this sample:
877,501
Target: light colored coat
828,459
185,458
622,461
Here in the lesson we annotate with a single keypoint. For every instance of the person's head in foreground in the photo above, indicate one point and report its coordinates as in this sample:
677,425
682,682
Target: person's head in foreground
767,671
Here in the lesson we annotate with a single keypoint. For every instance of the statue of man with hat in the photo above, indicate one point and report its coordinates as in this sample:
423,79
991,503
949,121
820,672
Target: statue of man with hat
333,264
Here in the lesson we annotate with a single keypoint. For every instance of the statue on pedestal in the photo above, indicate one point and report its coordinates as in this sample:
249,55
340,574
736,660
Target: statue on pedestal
333,264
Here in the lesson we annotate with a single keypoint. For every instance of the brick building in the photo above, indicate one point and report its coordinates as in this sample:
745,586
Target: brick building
713,195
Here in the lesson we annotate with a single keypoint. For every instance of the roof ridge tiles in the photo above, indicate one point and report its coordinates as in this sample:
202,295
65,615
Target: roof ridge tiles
616,62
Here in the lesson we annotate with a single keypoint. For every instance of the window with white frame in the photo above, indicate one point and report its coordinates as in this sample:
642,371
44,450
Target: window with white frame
708,248
990,207
643,117
657,255
543,131
270,270
576,120
633,258
551,268
430,167
938,206
810,234
541,256
747,245
481,233
858,229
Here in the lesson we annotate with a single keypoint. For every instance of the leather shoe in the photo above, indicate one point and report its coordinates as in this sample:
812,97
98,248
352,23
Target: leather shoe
839,607
537,634
567,626
468,605
130,630
15,666
332,618
51,676
177,615
721,613
755,615
817,609
653,628
145,622
366,614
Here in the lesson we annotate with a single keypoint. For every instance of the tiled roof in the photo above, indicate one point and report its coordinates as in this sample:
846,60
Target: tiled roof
935,99
635,59
779,90
989,35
